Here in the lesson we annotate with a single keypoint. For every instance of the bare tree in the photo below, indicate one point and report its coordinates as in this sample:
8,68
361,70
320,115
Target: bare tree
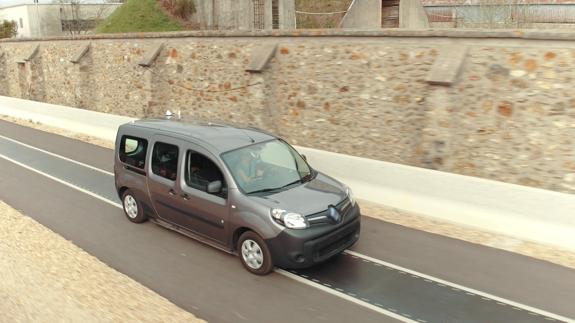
78,18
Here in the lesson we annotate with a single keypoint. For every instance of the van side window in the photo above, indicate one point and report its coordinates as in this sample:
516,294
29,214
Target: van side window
200,171
165,160
133,151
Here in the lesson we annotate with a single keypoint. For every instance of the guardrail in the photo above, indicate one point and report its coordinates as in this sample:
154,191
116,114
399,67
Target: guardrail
518,211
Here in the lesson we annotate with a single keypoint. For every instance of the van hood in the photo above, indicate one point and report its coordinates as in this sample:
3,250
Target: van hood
309,198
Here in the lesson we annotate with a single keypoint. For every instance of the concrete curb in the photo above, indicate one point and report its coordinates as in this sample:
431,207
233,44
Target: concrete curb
522,212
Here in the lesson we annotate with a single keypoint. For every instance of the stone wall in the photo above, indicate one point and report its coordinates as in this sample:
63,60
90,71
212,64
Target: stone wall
509,115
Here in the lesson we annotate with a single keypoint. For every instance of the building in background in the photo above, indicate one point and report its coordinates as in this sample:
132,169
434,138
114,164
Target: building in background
46,20
496,14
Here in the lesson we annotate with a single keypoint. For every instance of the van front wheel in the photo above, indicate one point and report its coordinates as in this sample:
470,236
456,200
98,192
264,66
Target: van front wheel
254,254
132,208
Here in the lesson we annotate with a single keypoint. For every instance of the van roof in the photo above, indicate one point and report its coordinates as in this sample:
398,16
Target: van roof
220,136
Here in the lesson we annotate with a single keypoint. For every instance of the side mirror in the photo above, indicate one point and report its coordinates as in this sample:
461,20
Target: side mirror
304,157
215,187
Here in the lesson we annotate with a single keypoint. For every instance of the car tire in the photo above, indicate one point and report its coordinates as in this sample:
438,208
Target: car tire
133,208
255,254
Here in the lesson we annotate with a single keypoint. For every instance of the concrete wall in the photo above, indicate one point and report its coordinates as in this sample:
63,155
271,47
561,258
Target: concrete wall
239,14
363,14
287,14
509,115
412,15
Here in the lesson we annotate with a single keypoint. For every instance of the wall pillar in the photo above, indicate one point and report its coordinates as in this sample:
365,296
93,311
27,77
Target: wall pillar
268,15
412,15
4,82
436,138
363,14
287,14
246,14
31,76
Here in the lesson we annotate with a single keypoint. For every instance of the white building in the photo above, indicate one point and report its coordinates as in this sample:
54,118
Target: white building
46,20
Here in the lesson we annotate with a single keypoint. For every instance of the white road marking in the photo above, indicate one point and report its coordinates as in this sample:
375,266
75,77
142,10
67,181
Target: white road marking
76,187
58,156
440,282
344,296
389,266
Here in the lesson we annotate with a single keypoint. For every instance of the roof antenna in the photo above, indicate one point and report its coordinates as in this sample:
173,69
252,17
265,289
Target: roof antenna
246,133
169,115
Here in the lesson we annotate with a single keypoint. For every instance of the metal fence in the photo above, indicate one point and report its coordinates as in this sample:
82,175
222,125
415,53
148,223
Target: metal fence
501,15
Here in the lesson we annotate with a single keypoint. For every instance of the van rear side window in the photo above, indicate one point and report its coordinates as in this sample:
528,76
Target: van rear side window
165,160
133,151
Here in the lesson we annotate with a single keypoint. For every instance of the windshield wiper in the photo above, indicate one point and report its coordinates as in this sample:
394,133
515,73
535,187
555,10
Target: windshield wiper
275,188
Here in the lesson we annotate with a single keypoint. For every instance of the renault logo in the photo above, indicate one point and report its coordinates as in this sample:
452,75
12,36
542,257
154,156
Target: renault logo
334,214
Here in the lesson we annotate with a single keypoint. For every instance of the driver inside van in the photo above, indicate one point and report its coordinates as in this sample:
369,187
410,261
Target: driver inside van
247,167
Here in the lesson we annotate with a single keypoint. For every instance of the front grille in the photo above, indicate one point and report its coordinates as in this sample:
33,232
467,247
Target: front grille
322,217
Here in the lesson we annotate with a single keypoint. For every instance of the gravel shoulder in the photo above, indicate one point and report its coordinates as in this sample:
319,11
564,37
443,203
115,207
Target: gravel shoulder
46,278
528,248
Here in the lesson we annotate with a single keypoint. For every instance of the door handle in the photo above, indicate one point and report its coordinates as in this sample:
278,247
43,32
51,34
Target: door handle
185,196
172,192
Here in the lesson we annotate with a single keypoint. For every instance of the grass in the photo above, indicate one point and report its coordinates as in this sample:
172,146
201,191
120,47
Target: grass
139,16
320,21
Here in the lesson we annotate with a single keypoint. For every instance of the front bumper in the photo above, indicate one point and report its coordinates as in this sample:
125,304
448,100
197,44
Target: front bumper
305,248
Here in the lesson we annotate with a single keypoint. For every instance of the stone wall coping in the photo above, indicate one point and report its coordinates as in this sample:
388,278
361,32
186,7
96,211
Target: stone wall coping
444,33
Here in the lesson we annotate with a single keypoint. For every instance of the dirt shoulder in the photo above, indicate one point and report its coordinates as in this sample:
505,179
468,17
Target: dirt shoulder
548,253
46,278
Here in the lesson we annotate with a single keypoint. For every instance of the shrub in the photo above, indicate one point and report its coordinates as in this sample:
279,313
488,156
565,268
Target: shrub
182,9
8,29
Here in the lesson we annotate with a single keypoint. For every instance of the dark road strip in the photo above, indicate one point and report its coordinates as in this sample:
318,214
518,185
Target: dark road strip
393,290
81,176
412,296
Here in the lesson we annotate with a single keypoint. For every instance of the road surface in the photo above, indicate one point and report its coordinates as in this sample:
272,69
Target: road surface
393,274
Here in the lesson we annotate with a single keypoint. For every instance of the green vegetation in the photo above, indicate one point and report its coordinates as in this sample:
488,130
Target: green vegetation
139,16
320,21
8,29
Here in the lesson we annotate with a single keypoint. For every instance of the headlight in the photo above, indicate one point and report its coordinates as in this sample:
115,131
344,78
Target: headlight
350,196
289,219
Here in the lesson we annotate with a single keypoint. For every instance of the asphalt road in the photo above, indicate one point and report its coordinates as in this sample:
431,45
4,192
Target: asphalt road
214,286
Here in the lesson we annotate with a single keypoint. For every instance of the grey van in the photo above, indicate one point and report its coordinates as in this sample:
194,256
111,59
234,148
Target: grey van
240,190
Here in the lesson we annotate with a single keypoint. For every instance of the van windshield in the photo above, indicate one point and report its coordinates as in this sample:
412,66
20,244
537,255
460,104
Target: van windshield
267,167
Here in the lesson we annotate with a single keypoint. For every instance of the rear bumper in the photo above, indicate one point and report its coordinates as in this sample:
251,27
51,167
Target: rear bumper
305,248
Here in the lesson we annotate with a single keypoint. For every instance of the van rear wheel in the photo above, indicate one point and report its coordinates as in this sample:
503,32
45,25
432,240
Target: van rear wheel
132,208
254,254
